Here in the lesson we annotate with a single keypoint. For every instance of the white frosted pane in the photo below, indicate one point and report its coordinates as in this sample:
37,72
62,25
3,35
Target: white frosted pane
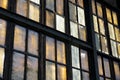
111,31
36,1
76,74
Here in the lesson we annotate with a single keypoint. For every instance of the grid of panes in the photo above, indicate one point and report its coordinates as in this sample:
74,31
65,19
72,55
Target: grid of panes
55,14
104,68
77,19
80,68
29,8
99,28
2,45
55,63
114,32
3,3
25,54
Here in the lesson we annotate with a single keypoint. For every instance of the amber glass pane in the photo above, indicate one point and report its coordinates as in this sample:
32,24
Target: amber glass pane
33,42
60,6
97,41
82,33
109,18
2,55
61,52
50,4
60,23
36,1
95,23
4,3
73,29
100,65
99,10
117,33
22,7
115,20
118,49
34,12
2,32
80,3
49,19
104,45
76,74
32,68
19,38
50,48
85,76
50,71
75,57
81,16
111,31
117,70
18,66
93,7
61,71
101,25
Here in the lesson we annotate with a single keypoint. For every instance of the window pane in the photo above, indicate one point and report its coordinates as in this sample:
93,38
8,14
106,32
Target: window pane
61,52
50,4
75,57
93,7
49,19
60,6
50,48
73,29
36,1
84,60
97,41
18,66
101,78
3,3
32,68
61,72
81,16
85,76
50,71
101,25
118,49
117,33
82,33
104,44
2,32
60,23
19,38
100,65
115,20
99,10
117,70
33,42
76,74
80,3
111,31
109,18
2,55
95,23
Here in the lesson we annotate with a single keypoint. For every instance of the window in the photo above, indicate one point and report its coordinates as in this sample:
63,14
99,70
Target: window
117,70
4,4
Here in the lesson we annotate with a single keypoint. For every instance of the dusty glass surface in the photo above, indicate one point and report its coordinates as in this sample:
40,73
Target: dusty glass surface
60,6
109,18
50,4
100,65
4,3
76,74
115,20
85,76
82,33
104,44
101,25
114,48
117,70
111,31
99,10
95,23
97,41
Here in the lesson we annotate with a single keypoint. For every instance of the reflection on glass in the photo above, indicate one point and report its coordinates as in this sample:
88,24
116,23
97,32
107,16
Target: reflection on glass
104,44
22,7
50,4
73,29
111,31
85,76
2,55
32,68
2,32
115,20
19,38
60,6
18,66
80,3
82,33
61,52
84,59
36,1
81,16
114,48
117,33
72,12
107,68
100,65
97,41
50,71
49,19
101,25
3,3
33,42
75,57
60,23
117,70
61,73
76,74
34,12
95,23
93,7
109,18
50,48
99,10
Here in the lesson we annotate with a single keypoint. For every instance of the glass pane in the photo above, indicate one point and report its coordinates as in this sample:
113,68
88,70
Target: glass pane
117,33
4,3
99,10
117,70
93,7
36,1
100,65
76,74
111,31
32,68
80,3
50,71
101,78
72,9
107,68
34,12
19,38
84,60
60,6
2,55
118,49
61,73
50,4
72,1
81,16
60,23
95,23
2,32
75,57
85,76
73,29
97,41
109,18
49,19
82,33
33,42
104,44
18,66
61,52
22,7
115,20
101,25
50,48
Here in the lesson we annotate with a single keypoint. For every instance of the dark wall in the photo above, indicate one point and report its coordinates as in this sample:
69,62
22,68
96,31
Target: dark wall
111,2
